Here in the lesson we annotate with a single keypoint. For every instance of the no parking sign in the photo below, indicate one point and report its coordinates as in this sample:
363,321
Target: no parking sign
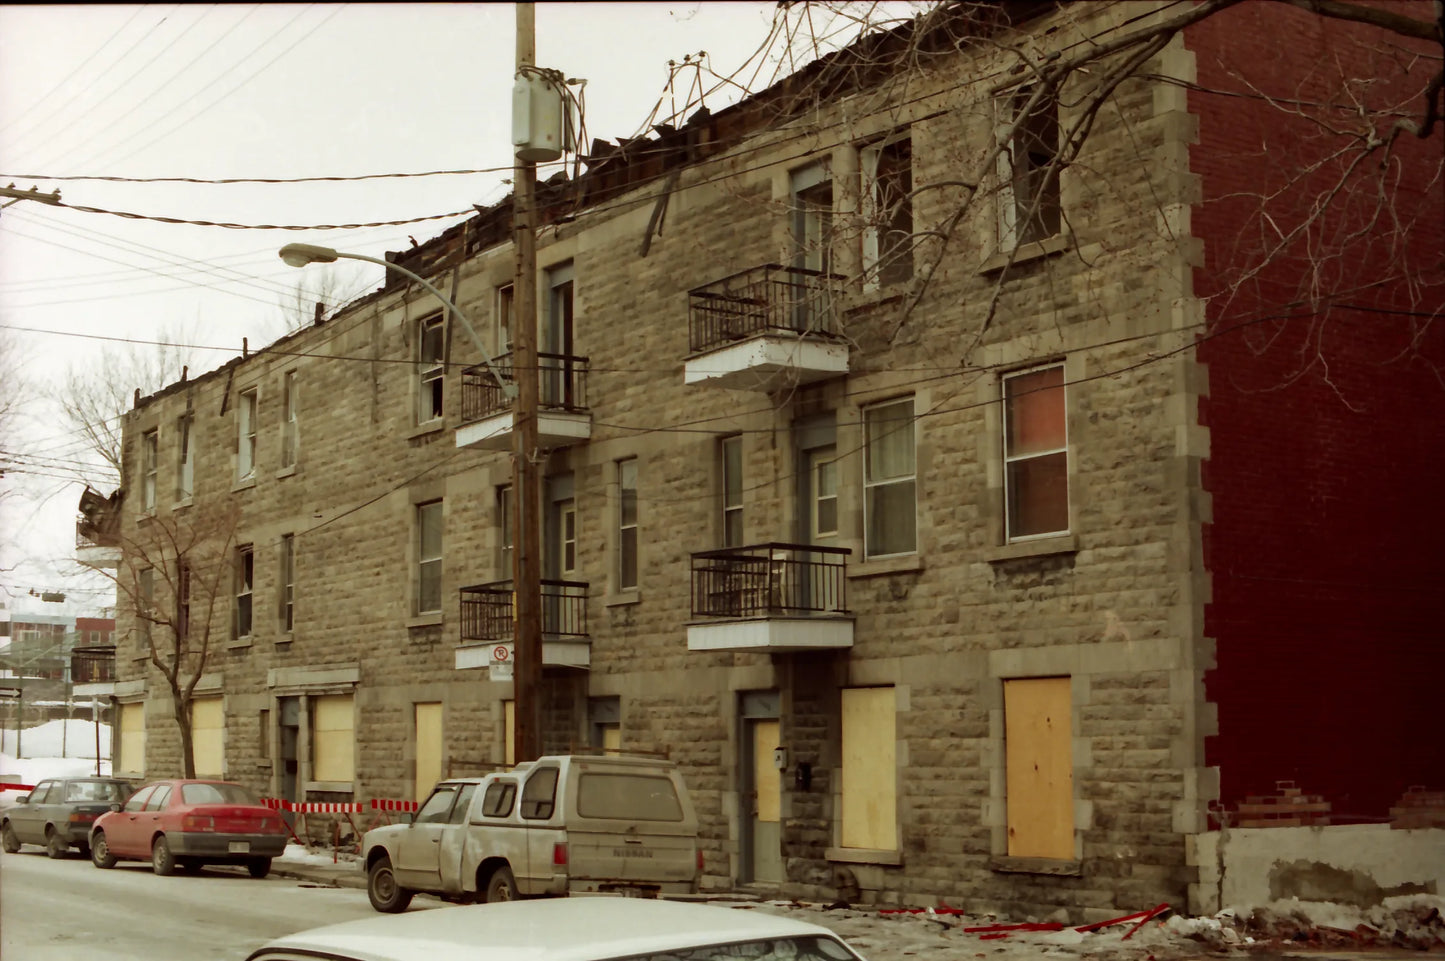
501,662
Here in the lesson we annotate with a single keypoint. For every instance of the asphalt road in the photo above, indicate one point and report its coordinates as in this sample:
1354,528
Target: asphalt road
52,910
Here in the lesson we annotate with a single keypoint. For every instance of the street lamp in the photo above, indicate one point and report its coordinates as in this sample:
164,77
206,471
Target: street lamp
300,255
526,576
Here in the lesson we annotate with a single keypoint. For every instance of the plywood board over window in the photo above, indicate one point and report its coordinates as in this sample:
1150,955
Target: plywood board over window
869,777
333,751
132,738
208,728
1039,767
428,748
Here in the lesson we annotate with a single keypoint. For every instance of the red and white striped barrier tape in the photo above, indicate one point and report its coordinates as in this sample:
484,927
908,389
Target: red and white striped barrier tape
334,807
383,804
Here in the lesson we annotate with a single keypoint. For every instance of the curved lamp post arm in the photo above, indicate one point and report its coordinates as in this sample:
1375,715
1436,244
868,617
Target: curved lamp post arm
299,255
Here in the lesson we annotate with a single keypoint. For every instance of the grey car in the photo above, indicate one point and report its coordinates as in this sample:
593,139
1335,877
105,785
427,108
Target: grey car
59,813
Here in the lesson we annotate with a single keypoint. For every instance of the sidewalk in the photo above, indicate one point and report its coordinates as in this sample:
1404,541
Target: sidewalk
319,868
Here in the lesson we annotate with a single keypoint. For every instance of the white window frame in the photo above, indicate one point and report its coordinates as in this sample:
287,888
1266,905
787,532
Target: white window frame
246,434
628,532
567,534
732,508
290,437
1008,460
431,372
150,453
429,564
506,308
505,532
243,620
288,583
871,483
185,458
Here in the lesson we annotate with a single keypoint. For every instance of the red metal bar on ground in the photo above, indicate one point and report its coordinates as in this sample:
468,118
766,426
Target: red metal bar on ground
1146,919
993,937
1110,923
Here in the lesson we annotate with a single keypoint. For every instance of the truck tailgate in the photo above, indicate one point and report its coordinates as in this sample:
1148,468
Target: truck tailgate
655,857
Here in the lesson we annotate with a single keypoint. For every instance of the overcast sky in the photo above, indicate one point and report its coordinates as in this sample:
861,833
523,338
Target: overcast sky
268,91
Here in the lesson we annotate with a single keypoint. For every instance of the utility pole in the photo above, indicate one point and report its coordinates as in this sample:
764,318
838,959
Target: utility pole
527,568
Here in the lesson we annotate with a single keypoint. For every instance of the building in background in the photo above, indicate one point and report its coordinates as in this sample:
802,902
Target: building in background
971,521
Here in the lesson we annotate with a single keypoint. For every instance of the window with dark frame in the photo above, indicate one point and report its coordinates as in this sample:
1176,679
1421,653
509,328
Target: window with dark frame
1030,208
245,585
887,170
185,466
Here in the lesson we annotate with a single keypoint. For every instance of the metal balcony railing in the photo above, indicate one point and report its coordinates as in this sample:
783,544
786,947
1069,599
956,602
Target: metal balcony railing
770,579
561,385
788,300
487,610
90,665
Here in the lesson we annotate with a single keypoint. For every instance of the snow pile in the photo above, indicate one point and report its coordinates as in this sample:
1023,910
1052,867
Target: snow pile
54,739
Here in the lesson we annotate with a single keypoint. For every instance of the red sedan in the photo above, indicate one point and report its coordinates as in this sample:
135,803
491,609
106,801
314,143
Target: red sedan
189,823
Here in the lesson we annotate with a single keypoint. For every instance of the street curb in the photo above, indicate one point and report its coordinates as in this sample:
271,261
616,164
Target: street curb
349,879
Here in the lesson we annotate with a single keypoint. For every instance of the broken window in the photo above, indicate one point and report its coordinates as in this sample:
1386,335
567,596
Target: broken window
431,369
1029,204
887,207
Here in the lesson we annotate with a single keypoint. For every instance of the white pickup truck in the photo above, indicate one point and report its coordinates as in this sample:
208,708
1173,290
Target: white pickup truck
559,825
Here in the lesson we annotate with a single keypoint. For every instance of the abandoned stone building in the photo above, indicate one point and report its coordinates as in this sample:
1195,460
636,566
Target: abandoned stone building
952,506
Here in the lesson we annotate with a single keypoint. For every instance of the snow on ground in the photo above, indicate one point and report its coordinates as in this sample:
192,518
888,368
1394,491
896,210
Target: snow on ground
53,739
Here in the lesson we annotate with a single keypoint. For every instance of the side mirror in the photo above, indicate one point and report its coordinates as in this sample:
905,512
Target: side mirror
23,799
115,808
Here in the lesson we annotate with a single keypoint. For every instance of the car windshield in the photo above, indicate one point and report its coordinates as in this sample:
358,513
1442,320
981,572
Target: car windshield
97,791
216,794
771,949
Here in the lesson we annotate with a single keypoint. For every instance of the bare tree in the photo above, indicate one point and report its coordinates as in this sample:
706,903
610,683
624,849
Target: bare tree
175,587
94,396
319,293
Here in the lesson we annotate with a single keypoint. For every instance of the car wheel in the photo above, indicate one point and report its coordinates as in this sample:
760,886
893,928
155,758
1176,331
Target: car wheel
501,886
8,840
162,862
259,867
386,895
55,845
100,854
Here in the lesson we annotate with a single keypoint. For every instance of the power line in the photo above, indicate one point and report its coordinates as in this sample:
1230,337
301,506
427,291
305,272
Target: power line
274,180
235,226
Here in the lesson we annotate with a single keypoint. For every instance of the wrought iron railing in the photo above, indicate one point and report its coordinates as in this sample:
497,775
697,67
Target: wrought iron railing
561,385
487,610
90,665
763,579
767,298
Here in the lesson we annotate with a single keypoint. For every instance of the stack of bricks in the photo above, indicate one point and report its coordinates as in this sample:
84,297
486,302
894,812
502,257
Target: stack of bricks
1288,807
1419,808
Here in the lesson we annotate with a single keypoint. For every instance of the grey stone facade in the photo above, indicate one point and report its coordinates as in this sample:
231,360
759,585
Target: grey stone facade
1114,602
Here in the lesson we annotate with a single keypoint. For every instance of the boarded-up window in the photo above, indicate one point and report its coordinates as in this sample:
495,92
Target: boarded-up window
428,748
333,752
869,778
509,732
1040,770
132,739
208,726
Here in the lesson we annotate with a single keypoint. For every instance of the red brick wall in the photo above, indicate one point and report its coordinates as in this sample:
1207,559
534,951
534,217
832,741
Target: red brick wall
1327,430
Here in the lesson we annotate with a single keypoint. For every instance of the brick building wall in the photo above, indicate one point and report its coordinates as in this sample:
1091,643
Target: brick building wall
1323,465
